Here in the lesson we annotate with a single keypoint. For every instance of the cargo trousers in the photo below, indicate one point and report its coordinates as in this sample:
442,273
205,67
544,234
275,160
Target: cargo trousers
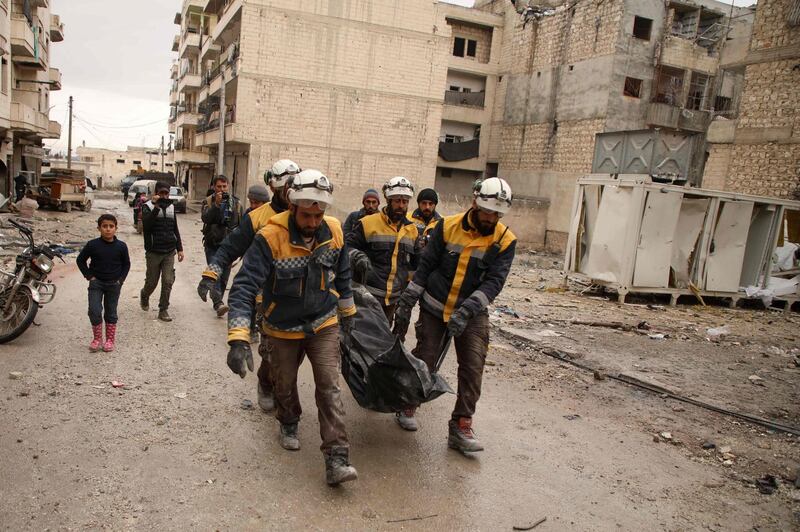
322,350
159,266
471,349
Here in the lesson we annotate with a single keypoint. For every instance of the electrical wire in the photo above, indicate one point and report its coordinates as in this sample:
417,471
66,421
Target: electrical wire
101,126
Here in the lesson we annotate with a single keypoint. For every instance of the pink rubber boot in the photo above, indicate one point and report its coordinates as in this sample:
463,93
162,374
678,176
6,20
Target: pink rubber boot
111,336
97,331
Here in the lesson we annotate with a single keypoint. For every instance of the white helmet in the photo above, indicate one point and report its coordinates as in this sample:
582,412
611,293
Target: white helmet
310,187
278,175
493,194
398,186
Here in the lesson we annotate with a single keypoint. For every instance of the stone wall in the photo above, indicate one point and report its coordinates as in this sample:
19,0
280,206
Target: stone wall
482,36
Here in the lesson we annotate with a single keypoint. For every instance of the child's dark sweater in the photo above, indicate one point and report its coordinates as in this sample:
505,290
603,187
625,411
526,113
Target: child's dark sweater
109,260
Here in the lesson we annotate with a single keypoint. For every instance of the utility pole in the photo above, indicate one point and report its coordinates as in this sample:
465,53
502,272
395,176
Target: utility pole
69,137
162,154
221,148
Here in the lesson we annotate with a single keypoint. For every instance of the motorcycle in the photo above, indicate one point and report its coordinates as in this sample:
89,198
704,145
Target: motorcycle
25,290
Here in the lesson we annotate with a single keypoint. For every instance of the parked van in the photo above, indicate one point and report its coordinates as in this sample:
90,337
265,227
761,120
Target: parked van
148,186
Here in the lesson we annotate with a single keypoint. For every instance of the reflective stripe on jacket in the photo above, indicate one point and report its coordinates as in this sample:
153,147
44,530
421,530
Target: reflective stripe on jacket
390,248
423,227
238,242
302,288
460,264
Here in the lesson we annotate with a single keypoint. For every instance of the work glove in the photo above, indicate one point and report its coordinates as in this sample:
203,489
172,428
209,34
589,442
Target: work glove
206,285
402,318
346,325
361,266
458,322
239,355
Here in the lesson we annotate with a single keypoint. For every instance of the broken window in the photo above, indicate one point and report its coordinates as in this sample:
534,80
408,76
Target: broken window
669,86
633,88
697,91
684,22
710,28
642,28
459,43
723,104
472,48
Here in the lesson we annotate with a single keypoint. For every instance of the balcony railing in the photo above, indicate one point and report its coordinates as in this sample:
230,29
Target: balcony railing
469,99
459,151
211,119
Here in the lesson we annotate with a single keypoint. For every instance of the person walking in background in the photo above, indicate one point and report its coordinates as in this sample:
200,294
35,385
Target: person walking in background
162,241
221,214
425,216
20,184
105,263
371,202
137,211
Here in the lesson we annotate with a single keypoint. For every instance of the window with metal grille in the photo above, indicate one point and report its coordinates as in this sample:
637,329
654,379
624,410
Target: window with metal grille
633,88
698,86
669,85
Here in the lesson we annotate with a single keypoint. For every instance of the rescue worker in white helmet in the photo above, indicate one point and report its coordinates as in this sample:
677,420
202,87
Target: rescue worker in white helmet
298,261
382,246
236,245
462,270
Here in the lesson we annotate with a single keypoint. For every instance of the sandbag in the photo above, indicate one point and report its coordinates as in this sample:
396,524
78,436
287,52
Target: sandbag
381,373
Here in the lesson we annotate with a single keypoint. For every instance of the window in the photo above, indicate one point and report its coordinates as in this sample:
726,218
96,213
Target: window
642,28
452,139
723,104
697,92
458,46
4,77
455,88
137,162
447,172
472,48
466,89
120,161
633,88
669,85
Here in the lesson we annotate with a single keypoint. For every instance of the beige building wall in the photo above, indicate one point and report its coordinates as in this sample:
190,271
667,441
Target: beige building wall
762,155
354,88
113,165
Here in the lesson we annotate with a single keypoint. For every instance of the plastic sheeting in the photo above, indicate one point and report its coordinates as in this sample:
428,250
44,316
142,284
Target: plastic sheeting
459,151
380,372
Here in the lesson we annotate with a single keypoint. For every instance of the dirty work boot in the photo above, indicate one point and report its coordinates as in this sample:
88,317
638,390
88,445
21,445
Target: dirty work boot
111,337
97,340
289,440
163,315
221,309
265,400
461,437
144,302
338,468
406,420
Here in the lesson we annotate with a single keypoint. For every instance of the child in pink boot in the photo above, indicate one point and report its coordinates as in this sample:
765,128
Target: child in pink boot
108,266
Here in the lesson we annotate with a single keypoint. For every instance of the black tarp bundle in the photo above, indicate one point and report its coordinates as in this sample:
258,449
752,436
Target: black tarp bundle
459,151
381,373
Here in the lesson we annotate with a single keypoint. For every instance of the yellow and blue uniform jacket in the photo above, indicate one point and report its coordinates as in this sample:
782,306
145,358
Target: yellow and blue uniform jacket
390,249
302,288
459,266
424,227
238,242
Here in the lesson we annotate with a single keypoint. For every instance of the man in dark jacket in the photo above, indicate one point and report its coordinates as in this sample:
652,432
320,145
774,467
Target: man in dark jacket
221,214
20,184
161,242
371,202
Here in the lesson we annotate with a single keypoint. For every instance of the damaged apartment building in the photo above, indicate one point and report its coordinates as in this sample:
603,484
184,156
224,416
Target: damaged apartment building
443,94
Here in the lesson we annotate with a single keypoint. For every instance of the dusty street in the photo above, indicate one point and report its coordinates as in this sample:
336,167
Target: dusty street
175,449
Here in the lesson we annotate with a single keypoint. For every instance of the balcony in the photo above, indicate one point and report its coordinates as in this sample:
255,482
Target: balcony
173,97
229,13
40,3
190,45
173,71
23,41
176,43
56,29
191,156
189,82
683,53
53,130
209,50
28,119
469,99
55,79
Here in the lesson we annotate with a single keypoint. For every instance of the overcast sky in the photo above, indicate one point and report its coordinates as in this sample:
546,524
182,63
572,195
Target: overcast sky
115,62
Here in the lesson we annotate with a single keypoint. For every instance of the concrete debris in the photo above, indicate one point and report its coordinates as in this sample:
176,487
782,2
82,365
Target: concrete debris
717,333
15,375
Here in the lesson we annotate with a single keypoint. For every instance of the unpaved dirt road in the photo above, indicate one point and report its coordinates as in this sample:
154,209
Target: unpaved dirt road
76,453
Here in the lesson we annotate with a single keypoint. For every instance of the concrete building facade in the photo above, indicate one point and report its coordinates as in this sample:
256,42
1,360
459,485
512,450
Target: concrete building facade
757,150
27,30
353,87
107,167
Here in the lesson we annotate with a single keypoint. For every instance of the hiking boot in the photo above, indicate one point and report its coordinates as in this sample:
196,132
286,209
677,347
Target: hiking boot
221,309
406,420
461,437
97,340
338,468
289,440
111,337
163,315
265,400
144,302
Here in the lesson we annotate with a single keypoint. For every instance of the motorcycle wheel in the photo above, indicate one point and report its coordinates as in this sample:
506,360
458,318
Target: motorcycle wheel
19,316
